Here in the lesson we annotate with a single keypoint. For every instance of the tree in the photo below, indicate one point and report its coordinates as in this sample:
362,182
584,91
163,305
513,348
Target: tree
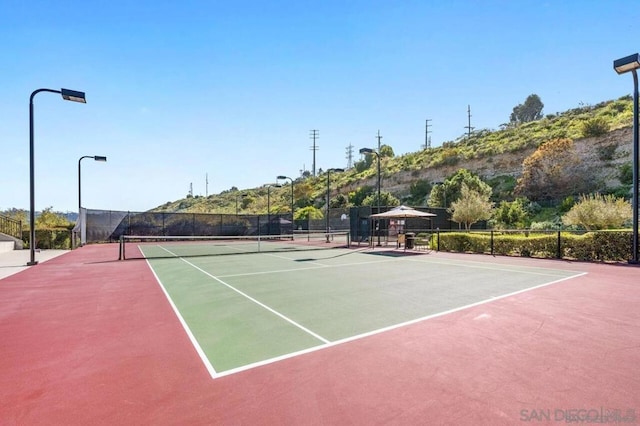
357,197
339,201
511,214
50,219
444,194
386,199
386,151
471,207
597,211
552,172
419,190
303,194
308,212
531,110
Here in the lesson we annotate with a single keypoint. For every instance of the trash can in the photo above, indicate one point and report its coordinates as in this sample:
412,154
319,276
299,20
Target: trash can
410,240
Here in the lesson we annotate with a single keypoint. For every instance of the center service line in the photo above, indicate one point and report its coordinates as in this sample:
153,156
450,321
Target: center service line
257,302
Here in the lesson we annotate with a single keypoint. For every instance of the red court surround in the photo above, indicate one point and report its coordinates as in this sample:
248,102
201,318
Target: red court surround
85,339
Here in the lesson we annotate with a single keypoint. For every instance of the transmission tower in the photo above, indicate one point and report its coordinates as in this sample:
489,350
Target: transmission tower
349,156
468,127
315,134
427,138
379,138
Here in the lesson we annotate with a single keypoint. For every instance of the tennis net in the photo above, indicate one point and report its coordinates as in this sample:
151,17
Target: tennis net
140,246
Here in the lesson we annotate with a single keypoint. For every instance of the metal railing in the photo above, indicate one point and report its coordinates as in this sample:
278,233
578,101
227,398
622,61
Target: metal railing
11,227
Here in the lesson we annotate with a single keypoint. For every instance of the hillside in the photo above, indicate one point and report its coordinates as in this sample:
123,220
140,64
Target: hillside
602,138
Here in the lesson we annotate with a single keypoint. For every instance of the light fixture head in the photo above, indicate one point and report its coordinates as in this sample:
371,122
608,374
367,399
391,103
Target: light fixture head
73,95
626,64
100,158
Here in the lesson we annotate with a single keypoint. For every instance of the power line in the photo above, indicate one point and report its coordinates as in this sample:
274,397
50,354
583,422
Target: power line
315,134
427,139
349,156
469,128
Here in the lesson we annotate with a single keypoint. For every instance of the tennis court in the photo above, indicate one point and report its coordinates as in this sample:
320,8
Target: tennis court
243,308
294,334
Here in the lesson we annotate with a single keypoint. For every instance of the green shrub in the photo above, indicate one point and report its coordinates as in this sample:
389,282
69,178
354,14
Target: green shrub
605,153
47,239
626,174
596,126
607,246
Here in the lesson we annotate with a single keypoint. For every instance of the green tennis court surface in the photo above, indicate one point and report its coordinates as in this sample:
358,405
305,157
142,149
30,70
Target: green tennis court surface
249,309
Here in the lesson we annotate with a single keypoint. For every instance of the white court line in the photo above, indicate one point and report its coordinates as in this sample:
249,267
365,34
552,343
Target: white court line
327,343
257,302
194,341
288,258
479,265
385,329
476,265
320,266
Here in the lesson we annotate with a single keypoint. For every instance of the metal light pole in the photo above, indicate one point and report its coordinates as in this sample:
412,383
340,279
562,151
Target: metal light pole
242,195
371,151
67,95
269,186
291,180
96,158
328,230
621,66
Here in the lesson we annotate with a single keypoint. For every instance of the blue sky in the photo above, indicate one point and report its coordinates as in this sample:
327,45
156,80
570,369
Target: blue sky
179,90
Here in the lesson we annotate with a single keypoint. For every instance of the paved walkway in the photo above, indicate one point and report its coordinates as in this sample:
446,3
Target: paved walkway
12,262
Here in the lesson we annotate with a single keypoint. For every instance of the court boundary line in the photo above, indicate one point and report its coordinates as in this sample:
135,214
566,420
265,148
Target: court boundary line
527,269
480,265
205,360
256,301
328,344
388,328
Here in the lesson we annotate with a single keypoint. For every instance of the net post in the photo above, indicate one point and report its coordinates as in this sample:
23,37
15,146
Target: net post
120,248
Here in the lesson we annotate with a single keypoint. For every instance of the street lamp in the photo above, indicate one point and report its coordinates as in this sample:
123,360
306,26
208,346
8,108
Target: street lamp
621,66
67,95
328,195
242,195
96,158
371,151
285,177
269,186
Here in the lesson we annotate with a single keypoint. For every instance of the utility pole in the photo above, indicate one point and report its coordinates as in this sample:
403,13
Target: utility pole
191,189
349,156
427,139
206,180
315,134
469,128
379,138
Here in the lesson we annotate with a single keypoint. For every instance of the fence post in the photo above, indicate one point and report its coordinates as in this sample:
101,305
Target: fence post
559,252
438,240
492,242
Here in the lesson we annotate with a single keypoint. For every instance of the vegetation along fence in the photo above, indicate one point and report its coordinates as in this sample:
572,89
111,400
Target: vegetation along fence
109,225
53,238
608,246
